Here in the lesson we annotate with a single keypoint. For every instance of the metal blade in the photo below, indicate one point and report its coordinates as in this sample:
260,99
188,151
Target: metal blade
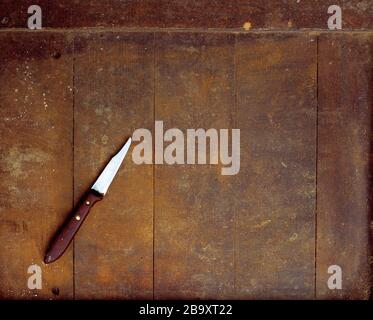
106,177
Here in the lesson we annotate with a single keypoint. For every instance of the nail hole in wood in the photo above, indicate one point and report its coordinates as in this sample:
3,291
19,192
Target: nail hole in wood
4,20
56,55
56,291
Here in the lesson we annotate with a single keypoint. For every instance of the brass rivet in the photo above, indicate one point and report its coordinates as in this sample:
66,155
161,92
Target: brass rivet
77,218
87,203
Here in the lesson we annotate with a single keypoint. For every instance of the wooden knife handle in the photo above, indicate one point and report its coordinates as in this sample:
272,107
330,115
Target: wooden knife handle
66,234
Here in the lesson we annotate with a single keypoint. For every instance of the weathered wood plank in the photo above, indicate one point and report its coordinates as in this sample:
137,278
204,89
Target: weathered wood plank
35,160
113,96
344,163
194,218
275,191
284,15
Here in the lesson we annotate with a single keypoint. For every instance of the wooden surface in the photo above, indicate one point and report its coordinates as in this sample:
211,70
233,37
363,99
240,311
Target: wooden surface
194,214
344,189
300,202
275,190
36,130
113,97
277,14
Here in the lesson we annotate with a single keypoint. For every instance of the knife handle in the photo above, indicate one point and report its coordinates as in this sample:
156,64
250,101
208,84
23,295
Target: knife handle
66,234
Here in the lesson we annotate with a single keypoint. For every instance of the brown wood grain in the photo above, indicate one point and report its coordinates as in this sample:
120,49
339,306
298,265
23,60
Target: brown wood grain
194,217
344,163
113,97
300,203
35,160
284,15
275,191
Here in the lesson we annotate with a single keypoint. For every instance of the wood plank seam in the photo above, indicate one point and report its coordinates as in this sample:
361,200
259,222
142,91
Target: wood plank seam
234,125
316,158
73,152
153,146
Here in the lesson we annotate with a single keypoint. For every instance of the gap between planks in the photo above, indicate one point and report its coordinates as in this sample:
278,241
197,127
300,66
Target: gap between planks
186,30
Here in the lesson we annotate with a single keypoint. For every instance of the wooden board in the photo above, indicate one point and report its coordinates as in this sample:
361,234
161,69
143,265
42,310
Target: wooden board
275,190
35,160
344,164
282,15
194,217
113,97
300,203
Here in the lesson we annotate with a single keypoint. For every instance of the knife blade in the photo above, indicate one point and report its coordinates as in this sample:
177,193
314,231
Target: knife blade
97,192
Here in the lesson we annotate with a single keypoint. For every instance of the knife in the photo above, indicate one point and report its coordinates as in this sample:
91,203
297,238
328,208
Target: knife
97,192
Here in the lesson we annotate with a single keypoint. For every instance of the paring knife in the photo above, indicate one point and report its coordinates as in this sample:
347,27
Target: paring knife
65,235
